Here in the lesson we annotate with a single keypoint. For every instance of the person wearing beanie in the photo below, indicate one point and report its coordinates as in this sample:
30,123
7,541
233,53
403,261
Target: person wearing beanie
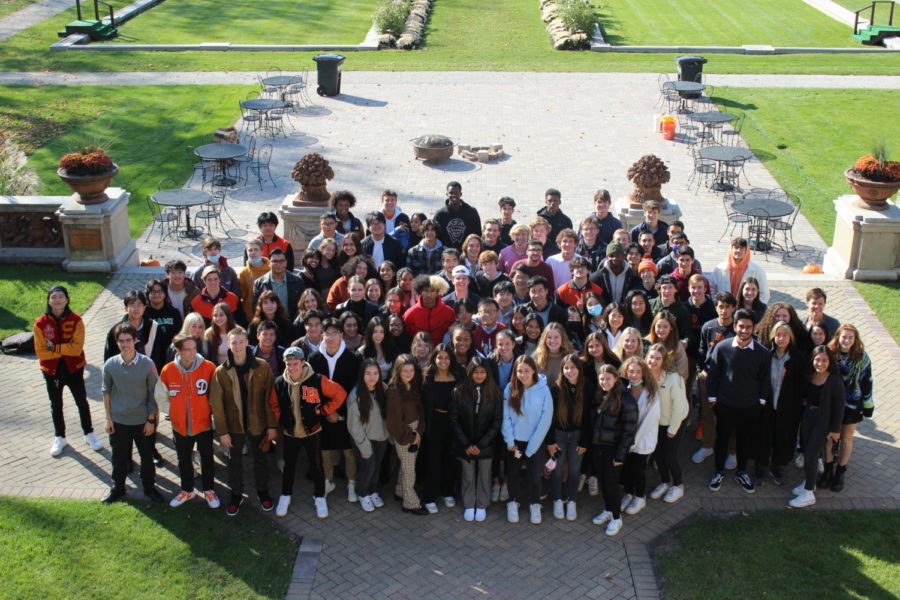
59,345
648,272
614,276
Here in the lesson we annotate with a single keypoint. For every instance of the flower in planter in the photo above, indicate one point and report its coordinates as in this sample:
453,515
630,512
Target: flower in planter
876,168
90,160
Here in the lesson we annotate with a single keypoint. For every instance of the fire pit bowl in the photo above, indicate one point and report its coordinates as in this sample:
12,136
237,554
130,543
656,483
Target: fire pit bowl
433,147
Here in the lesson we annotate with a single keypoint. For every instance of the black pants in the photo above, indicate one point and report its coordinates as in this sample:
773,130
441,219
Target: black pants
634,479
313,446
814,434
184,448
369,468
534,469
778,433
744,422
55,385
236,463
120,441
604,456
440,463
667,455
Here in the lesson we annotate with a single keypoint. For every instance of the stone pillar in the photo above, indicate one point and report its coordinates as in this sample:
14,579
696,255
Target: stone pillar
301,224
866,244
630,217
97,236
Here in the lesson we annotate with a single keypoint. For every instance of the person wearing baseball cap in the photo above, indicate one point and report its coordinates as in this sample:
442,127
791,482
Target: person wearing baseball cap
462,282
614,277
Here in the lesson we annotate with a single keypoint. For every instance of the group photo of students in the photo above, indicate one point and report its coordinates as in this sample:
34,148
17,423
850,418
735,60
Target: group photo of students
472,364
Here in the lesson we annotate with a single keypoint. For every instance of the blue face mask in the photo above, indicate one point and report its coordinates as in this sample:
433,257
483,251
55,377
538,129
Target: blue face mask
595,310
255,261
635,384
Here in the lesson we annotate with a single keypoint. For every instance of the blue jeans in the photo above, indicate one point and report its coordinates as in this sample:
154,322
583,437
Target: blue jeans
567,442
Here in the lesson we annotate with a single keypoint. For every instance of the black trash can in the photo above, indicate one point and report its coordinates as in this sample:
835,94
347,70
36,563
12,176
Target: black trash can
689,67
329,73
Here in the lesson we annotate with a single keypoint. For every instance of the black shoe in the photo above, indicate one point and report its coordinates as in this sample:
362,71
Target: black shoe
153,494
777,476
114,493
838,484
157,458
234,506
421,511
398,498
827,477
760,479
715,484
265,501
745,482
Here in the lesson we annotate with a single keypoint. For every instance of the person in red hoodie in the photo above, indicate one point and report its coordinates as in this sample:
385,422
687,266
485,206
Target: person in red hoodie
184,384
429,313
59,345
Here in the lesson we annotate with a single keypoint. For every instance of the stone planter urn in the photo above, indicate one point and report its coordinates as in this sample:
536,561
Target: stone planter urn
312,172
648,175
873,195
91,189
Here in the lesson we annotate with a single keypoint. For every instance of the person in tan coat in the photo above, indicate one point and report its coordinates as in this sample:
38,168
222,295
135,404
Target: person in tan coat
406,424
256,266
241,404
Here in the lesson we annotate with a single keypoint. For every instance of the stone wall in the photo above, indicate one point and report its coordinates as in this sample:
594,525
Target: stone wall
415,25
562,38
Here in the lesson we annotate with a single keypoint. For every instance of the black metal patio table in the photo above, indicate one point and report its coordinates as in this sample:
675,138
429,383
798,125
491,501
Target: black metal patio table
182,198
221,154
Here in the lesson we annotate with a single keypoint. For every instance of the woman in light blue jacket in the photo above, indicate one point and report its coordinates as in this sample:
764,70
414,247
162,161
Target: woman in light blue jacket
527,415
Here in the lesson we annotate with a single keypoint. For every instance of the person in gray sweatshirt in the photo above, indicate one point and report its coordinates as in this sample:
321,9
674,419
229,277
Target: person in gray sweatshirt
129,380
366,413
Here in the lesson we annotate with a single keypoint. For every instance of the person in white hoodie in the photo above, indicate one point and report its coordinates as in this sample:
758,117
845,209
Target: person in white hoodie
673,410
527,415
643,387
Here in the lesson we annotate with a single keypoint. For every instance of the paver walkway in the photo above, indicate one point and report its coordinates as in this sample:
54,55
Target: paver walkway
32,14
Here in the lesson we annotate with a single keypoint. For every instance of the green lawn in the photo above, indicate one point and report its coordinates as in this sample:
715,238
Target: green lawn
786,554
720,23
23,293
11,6
269,22
147,129
884,299
53,549
467,35
807,138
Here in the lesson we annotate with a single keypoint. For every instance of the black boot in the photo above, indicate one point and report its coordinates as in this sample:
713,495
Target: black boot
826,477
838,483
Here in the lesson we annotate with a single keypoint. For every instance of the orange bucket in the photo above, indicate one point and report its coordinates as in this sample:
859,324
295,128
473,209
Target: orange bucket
668,128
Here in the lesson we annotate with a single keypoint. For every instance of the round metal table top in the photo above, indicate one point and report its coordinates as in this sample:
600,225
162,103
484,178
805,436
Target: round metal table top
181,197
711,116
773,207
723,153
263,104
220,151
282,80
685,86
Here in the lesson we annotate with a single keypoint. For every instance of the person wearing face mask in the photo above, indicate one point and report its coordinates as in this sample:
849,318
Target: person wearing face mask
212,255
256,266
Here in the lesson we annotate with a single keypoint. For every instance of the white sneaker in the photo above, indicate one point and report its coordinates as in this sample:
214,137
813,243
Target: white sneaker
807,498
376,500
674,494
614,527
284,502
593,486
512,512
535,514
365,502
559,512
659,491
731,462
469,514
480,514
504,492
93,442
280,464
449,501
212,499
246,449
571,511
820,467
329,487
321,508
602,518
801,487
582,479
58,444
799,461
495,492
636,505
626,500
351,491
701,454
181,498
431,507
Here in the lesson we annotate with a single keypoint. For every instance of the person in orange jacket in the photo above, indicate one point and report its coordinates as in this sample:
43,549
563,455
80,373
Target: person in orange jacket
59,345
184,383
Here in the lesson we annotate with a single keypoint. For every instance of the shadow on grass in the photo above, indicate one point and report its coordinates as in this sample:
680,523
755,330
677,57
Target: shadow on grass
727,103
604,22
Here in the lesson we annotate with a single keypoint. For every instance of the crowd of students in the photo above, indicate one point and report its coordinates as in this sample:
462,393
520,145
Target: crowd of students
487,361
